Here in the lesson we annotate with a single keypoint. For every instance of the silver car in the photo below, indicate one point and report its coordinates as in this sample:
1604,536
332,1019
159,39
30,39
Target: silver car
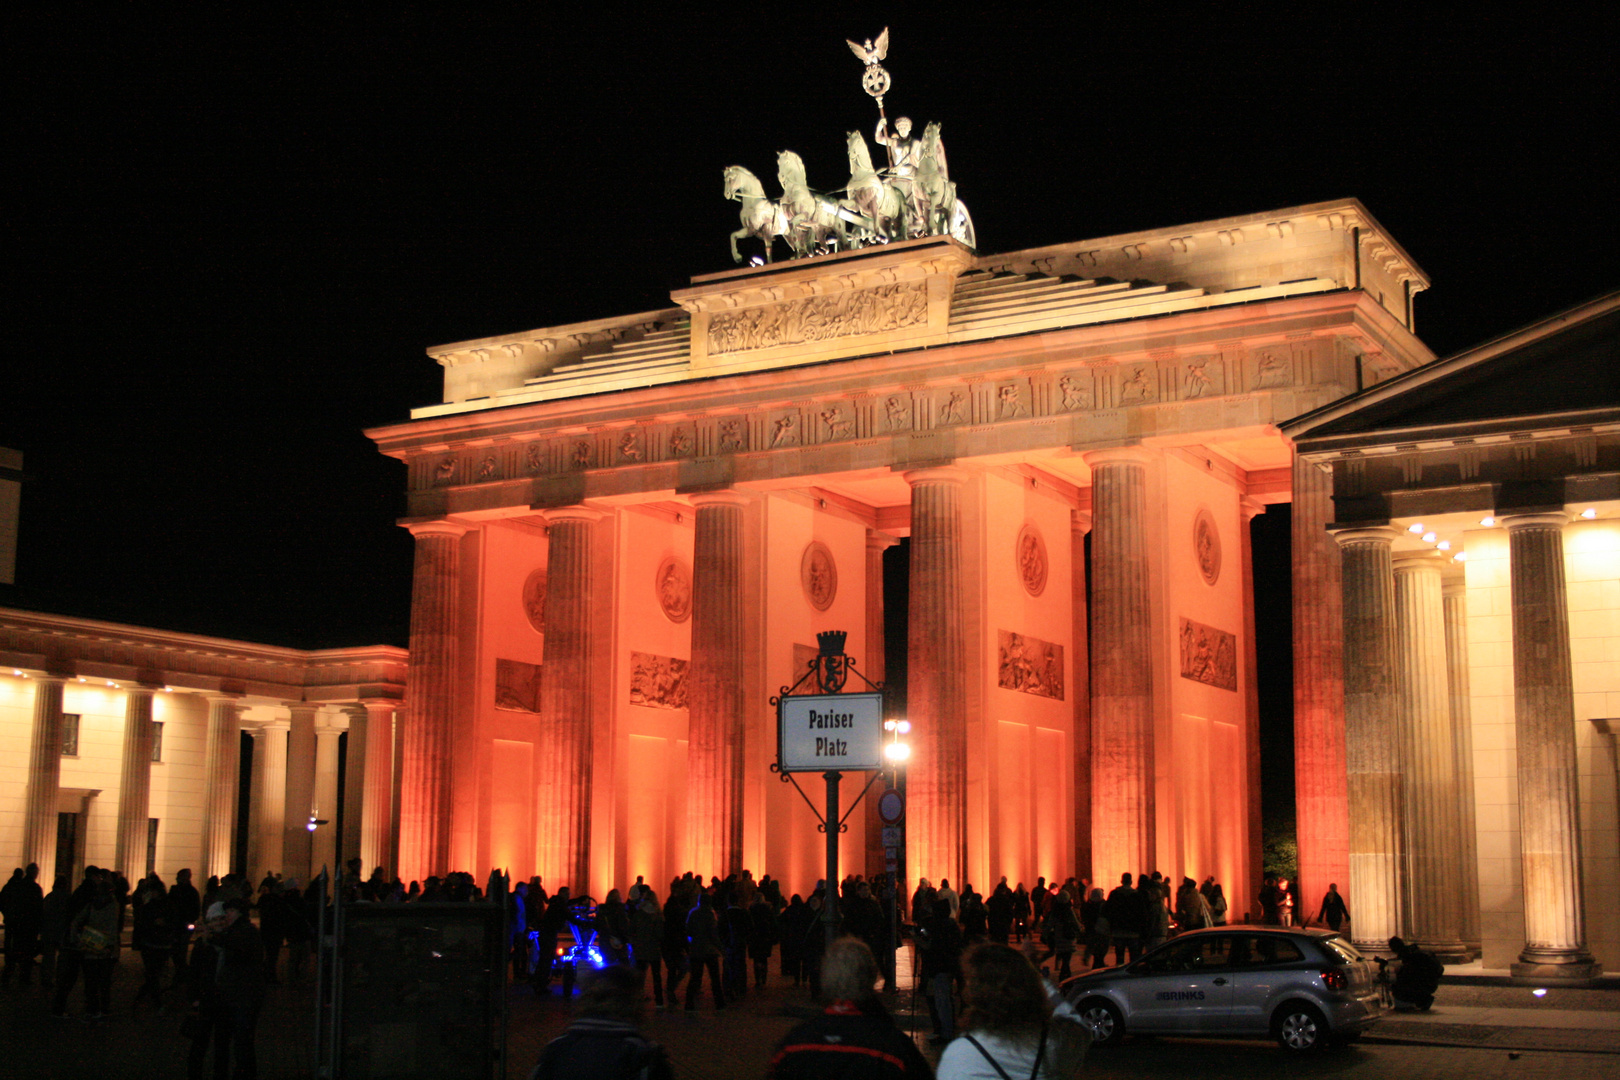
1306,988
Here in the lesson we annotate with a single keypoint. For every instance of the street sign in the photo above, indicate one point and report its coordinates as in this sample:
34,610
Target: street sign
891,807
891,837
829,732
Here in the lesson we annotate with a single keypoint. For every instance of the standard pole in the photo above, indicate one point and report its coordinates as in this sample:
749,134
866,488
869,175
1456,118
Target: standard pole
829,910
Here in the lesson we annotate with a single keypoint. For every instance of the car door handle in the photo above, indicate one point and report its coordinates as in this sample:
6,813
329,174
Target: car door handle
1220,982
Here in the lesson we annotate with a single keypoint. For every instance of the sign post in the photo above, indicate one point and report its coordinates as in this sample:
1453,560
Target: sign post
827,733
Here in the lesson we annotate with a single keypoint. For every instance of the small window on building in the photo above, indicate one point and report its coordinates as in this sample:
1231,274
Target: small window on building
157,741
70,734
151,844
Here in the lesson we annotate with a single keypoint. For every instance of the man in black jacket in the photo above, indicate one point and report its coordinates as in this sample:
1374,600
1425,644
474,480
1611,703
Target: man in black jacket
854,1038
604,1042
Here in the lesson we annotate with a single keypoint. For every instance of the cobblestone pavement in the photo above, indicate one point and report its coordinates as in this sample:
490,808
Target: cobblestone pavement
1480,1032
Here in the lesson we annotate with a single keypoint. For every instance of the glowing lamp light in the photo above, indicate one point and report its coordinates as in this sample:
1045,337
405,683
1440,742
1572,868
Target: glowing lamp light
1428,538
905,727
1589,513
1415,527
897,752
1488,522
1461,556
1444,545
1538,992
889,725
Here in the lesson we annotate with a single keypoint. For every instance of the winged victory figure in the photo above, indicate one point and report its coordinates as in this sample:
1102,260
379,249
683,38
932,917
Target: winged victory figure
872,52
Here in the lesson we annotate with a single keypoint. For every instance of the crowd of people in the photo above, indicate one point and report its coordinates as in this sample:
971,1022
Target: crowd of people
987,966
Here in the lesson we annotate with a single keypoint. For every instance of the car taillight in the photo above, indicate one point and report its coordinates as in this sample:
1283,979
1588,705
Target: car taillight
1334,979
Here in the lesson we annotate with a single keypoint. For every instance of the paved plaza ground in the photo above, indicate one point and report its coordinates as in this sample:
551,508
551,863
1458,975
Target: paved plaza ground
1475,1031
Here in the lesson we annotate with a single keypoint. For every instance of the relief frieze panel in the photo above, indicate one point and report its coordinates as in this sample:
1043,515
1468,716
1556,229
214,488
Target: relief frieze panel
657,682
1208,655
818,318
1029,665
517,686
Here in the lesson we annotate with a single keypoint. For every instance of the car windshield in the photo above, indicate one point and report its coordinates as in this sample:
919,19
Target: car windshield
1342,949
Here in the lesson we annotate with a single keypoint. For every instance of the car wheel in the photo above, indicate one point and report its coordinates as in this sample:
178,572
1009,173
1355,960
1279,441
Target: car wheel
1300,1027
1107,1026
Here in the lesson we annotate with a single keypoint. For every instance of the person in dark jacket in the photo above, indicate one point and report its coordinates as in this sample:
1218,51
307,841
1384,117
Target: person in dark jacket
1416,979
24,908
604,1043
854,1038
703,946
763,934
998,912
1127,915
238,981
940,941
185,908
153,936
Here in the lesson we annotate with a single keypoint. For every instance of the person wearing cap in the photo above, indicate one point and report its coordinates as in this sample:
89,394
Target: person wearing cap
227,990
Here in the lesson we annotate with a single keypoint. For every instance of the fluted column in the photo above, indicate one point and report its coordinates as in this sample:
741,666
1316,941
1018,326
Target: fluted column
936,678
370,784
323,847
715,686
268,799
1454,598
1080,690
134,784
1544,729
1254,855
395,793
44,776
298,844
355,778
564,825
1432,832
1123,832
424,813
1321,804
222,767
1371,735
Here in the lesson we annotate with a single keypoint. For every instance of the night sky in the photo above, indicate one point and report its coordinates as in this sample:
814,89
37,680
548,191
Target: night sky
231,237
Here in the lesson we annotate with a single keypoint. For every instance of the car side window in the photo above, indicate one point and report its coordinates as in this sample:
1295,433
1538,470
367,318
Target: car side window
1216,952
1264,950
1183,956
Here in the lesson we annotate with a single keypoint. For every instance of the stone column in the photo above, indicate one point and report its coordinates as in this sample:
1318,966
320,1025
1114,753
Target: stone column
1454,599
1123,834
1254,854
1321,804
936,647
134,784
424,827
222,768
44,777
355,761
873,665
323,847
395,797
298,844
564,823
1544,730
1080,690
268,799
1371,735
373,774
717,710
1432,832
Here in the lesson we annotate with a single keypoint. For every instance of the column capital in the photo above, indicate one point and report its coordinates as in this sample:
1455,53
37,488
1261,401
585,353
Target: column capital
264,726
938,474
452,529
1080,521
719,497
48,678
302,708
1377,534
1516,522
1250,507
1413,561
1135,454
880,541
572,513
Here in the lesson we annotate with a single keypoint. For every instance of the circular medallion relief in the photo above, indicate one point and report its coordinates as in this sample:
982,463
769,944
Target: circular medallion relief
673,583
819,575
1031,553
534,600
1207,546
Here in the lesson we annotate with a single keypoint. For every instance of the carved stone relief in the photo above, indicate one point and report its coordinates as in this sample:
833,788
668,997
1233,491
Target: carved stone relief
837,426
1010,401
1076,390
1030,551
536,458
953,410
582,454
818,573
1201,377
819,318
1272,369
517,686
630,446
534,599
1136,385
446,471
898,409
680,443
658,682
673,584
1206,540
1030,665
732,437
486,469
785,430
1208,655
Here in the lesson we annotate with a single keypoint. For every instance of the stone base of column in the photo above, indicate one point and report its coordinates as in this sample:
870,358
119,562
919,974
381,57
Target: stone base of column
1448,952
1579,970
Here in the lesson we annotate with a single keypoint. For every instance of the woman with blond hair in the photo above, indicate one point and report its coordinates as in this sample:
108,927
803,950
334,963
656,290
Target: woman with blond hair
1016,1026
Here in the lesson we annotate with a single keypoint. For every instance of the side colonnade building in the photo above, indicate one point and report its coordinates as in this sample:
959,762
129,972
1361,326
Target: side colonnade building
630,531
126,751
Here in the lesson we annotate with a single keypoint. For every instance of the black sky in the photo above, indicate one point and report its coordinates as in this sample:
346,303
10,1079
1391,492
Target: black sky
231,237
